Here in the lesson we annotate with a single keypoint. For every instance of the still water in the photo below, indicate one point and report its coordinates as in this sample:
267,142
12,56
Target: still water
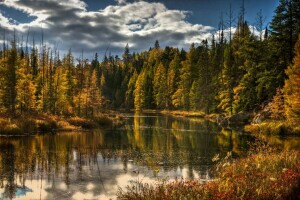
95,164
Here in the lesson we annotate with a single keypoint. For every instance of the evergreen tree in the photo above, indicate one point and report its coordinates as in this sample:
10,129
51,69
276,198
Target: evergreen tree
10,92
180,99
69,69
226,93
204,83
285,27
160,86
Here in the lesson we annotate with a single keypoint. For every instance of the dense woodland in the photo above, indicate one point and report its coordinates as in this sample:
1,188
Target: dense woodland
240,72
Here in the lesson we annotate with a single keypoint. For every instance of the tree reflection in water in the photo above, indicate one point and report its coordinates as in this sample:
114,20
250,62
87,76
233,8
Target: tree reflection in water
94,164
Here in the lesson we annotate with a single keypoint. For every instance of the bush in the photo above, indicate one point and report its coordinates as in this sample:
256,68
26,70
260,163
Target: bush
103,120
81,122
46,126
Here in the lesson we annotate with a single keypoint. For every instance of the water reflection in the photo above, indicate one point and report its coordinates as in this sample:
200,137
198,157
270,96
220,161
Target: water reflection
93,165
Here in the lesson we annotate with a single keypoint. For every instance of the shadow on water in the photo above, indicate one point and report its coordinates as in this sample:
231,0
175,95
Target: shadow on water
73,165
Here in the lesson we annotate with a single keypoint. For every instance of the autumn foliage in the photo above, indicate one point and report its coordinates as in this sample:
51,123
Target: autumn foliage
292,88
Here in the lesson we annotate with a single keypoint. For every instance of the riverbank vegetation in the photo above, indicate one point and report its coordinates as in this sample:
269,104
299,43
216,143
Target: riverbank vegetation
43,123
264,174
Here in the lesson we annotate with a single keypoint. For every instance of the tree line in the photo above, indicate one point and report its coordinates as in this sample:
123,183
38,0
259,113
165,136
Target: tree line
228,75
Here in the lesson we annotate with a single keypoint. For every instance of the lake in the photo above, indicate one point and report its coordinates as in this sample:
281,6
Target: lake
95,164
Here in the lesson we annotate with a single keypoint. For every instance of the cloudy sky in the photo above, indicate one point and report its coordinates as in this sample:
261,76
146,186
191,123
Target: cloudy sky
95,25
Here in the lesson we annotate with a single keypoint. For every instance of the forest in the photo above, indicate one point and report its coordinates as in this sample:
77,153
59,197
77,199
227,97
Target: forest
230,73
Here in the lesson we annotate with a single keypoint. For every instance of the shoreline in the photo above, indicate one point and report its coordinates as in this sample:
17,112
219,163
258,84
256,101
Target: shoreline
33,124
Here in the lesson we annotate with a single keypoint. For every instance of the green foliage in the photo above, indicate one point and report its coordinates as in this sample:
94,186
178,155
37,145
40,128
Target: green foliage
160,86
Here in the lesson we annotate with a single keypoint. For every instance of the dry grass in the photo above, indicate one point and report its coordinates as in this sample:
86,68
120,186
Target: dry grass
184,113
44,123
27,125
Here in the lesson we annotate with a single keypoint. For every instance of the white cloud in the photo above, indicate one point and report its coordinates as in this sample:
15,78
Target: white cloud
137,23
121,1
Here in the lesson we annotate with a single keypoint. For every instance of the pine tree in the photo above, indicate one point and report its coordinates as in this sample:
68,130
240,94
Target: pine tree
285,27
160,86
226,93
69,69
205,85
10,92
173,78
194,96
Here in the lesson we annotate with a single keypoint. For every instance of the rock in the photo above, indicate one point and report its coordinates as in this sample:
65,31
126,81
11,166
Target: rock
263,115
238,119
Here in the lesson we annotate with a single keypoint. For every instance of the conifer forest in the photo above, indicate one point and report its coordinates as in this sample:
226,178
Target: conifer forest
232,74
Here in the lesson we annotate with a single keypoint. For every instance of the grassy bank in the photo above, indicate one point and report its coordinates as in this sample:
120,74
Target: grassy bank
182,113
43,123
273,128
262,175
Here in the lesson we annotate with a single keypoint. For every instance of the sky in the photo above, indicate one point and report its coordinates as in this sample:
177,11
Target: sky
99,25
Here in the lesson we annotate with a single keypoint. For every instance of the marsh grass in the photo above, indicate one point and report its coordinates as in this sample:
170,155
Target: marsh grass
184,113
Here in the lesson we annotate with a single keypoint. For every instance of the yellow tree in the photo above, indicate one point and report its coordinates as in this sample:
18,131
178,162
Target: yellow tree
25,88
95,95
139,92
292,88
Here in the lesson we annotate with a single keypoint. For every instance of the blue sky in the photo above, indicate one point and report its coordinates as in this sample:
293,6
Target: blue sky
94,25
